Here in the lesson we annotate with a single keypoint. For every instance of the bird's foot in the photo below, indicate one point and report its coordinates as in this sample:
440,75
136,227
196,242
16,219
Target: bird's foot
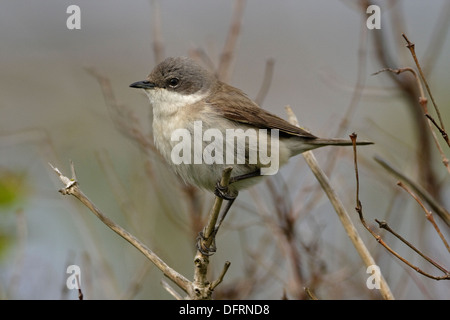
224,192
200,244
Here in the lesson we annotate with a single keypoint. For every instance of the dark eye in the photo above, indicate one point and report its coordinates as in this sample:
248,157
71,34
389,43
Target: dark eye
173,82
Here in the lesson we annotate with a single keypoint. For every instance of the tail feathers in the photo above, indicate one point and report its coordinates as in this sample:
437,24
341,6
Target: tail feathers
297,147
337,142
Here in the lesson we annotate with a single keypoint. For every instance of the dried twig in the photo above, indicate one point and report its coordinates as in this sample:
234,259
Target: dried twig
171,290
341,212
268,74
428,214
440,210
222,274
310,294
423,149
72,188
200,288
223,71
423,103
124,119
158,43
411,47
80,291
384,225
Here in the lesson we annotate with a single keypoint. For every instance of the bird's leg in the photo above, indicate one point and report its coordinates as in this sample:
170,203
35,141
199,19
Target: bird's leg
253,174
224,213
208,251
224,193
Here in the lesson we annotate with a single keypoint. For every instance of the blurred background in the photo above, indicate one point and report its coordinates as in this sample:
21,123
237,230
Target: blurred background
65,96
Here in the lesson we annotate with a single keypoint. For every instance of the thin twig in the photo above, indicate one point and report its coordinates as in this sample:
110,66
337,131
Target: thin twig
123,118
222,274
72,188
440,210
423,150
428,213
80,292
401,70
310,294
423,103
411,47
171,290
265,85
384,225
158,43
226,57
341,212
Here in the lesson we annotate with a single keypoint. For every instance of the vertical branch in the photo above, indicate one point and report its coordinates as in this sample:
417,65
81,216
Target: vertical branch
342,213
423,101
224,69
202,288
268,74
384,225
158,43
423,151
411,46
428,214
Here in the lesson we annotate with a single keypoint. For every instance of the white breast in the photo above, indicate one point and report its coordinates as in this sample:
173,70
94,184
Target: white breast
170,112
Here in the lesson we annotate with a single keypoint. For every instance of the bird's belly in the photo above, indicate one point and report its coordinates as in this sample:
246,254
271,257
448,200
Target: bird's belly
199,156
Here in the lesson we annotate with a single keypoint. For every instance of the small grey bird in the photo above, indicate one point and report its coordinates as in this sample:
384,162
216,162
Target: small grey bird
184,96
182,92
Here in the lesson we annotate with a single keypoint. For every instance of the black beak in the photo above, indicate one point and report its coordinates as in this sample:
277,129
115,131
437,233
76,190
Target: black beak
143,85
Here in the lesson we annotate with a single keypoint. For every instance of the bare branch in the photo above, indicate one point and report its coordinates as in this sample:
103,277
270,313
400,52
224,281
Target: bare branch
72,188
441,211
341,212
158,43
123,118
171,290
384,225
201,286
411,47
268,74
222,274
226,57
423,103
310,294
428,214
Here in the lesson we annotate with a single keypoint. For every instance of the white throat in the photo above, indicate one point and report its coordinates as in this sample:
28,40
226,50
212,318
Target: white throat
170,112
166,103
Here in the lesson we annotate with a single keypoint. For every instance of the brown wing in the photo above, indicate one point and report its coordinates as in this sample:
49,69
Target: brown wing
234,105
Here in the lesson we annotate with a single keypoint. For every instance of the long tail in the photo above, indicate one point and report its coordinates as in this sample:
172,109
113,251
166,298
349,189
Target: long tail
337,142
298,146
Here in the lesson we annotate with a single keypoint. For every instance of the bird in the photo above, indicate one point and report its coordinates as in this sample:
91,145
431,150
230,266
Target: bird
189,102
